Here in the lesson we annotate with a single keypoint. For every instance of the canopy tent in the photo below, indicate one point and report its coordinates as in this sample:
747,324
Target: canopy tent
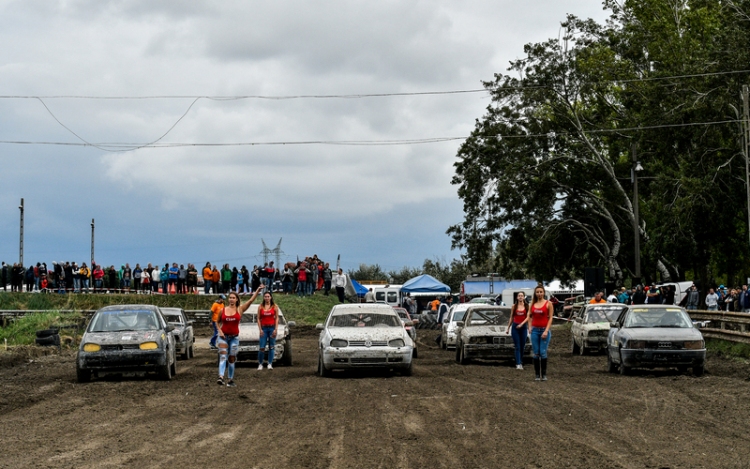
425,284
357,288
482,287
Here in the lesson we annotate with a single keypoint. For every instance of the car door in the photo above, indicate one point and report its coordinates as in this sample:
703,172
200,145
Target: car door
576,327
615,331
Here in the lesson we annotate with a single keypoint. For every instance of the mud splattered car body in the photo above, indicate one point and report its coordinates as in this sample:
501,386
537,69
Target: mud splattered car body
366,335
127,338
183,331
590,326
483,334
651,336
250,337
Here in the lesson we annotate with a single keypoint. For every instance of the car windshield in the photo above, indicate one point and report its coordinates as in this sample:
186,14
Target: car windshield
365,320
173,318
458,316
487,317
602,314
248,318
129,320
484,301
657,317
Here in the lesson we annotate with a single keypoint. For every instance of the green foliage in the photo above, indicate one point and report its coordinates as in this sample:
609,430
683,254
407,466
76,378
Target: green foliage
367,272
545,175
726,348
22,331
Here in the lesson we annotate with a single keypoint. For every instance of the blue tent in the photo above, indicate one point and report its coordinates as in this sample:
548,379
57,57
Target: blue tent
358,288
424,284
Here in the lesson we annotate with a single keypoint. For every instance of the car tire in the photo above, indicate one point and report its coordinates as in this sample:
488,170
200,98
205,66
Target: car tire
458,351
46,332
699,370
443,345
573,346
322,371
286,360
186,353
83,376
415,353
582,349
463,359
173,368
192,351
624,370
165,372
408,371
611,366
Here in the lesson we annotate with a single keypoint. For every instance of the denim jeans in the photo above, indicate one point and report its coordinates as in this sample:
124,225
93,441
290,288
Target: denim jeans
538,344
265,336
206,286
301,288
519,340
85,284
76,285
232,343
215,335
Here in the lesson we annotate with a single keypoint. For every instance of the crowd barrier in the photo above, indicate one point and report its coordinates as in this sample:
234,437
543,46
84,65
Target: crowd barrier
724,325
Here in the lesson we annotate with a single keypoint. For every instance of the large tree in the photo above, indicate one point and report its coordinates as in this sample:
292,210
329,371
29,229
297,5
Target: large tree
545,175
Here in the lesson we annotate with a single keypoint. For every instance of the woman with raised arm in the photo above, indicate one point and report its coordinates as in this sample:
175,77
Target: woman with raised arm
517,327
540,319
229,334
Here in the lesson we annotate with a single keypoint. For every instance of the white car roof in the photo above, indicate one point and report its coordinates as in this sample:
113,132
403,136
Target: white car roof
253,309
362,308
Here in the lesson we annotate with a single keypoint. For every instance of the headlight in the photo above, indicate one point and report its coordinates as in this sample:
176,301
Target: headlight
693,344
339,343
91,347
149,346
636,344
396,343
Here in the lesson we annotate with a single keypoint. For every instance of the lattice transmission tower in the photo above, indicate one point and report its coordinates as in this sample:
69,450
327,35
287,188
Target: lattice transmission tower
274,253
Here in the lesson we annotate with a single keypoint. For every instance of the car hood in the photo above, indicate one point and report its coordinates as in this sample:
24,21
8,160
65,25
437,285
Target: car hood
595,326
485,330
663,333
249,331
369,333
122,338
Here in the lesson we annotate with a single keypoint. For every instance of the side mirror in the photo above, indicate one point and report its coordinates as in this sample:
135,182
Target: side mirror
291,324
445,321
460,324
415,322
190,323
319,326
613,324
169,328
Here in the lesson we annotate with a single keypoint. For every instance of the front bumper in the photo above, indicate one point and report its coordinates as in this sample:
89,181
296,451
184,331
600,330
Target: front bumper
651,358
364,357
490,351
595,342
122,360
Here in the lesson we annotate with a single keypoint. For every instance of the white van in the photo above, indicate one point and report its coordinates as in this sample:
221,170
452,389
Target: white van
390,294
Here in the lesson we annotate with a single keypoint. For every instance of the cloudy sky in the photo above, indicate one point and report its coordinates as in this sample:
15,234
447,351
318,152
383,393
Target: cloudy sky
234,171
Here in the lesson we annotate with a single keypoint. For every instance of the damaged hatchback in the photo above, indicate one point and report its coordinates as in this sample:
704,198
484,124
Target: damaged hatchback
484,334
127,338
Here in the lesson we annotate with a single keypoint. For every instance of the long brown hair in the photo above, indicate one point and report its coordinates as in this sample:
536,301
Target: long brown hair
514,308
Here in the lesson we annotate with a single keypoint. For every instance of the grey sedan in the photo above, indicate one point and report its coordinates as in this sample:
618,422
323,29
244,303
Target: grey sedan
651,336
183,331
127,338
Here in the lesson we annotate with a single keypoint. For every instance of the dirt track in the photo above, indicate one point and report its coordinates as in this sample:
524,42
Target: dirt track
446,415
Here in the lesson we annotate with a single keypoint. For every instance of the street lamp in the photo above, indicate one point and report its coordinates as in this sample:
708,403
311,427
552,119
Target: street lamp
636,219
20,244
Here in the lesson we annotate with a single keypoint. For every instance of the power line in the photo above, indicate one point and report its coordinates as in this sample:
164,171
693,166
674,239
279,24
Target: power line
133,146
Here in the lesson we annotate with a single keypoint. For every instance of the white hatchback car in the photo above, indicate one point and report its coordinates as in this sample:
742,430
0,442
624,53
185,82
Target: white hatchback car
366,335
448,328
250,338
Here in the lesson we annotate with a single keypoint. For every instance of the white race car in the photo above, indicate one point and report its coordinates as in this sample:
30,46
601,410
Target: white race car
250,338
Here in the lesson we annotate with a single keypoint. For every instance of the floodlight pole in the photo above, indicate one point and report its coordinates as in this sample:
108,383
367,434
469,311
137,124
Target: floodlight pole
636,217
92,243
20,244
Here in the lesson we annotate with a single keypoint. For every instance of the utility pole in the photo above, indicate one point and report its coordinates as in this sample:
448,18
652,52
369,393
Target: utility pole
20,244
746,146
636,218
92,244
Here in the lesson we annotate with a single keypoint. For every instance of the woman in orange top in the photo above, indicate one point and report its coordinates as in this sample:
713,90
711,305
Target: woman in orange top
207,278
539,317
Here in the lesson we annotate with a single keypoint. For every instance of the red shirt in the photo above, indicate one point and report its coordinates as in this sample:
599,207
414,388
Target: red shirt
267,317
230,325
540,316
519,316
302,275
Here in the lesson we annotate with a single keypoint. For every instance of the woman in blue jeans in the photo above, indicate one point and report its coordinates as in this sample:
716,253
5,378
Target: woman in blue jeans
517,327
268,324
540,315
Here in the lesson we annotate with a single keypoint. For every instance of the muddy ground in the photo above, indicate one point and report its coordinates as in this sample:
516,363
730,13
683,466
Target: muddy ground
484,414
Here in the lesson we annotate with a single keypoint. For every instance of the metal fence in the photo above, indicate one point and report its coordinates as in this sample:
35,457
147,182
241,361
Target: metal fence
198,316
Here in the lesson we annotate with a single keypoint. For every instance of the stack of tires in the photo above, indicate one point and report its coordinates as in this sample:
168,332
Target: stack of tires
48,337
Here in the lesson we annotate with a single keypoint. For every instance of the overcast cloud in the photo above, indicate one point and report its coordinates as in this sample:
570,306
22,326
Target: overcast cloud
388,205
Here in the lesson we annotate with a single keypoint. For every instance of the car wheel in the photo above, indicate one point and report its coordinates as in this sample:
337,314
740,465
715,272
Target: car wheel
165,372
699,370
582,349
410,370
186,353
573,346
192,351
173,368
322,371
286,360
611,367
624,370
415,353
463,359
443,345
83,376
458,351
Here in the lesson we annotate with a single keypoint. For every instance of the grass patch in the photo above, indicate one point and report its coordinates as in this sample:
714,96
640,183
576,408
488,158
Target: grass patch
728,349
22,331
